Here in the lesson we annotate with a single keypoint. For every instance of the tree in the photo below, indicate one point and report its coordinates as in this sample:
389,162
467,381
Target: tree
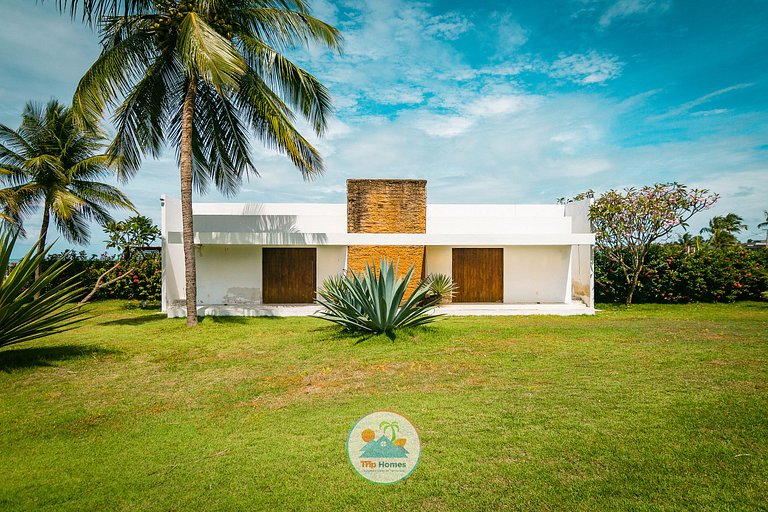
627,223
54,163
723,229
131,238
197,75
689,242
29,307
764,226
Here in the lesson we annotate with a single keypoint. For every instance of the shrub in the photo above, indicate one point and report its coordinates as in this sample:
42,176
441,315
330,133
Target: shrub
442,286
373,302
143,284
674,275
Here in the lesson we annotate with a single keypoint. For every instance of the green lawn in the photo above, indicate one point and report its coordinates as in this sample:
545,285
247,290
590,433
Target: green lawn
652,408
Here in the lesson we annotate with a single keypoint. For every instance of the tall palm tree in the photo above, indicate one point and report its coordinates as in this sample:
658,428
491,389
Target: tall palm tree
53,163
764,226
197,75
723,229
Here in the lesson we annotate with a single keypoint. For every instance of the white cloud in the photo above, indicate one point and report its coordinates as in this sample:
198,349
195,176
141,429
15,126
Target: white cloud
623,8
444,125
510,34
499,105
447,26
688,106
589,68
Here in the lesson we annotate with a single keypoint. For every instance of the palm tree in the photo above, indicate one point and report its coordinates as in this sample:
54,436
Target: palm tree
764,226
53,163
387,425
723,230
197,75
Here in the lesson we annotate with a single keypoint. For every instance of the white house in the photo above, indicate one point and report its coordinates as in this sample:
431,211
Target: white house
268,259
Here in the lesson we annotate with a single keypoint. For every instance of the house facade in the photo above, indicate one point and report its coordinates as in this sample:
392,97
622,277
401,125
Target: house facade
268,259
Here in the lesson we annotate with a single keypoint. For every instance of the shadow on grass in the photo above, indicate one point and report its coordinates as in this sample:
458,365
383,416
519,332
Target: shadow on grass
20,358
232,320
335,333
137,320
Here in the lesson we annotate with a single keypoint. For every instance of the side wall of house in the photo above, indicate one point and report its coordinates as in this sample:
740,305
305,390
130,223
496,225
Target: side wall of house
582,256
172,252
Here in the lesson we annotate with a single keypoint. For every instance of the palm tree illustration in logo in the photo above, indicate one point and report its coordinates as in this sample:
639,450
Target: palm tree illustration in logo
384,447
395,428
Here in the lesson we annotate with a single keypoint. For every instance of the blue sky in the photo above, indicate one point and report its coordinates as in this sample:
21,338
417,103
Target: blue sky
491,101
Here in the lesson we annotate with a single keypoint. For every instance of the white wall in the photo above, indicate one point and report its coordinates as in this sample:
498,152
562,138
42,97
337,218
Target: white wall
439,260
497,218
582,265
228,274
331,260
537,274
232,274
173,254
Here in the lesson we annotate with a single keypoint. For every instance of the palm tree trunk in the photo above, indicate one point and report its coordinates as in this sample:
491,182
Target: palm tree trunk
188,232
43,236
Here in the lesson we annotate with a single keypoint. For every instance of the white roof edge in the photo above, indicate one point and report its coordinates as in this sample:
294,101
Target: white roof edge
319,239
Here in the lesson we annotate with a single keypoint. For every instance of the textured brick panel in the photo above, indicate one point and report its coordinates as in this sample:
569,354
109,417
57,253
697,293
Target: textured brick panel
403,255
386,206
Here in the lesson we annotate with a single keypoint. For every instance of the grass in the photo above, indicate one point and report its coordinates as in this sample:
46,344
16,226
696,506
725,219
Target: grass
648,408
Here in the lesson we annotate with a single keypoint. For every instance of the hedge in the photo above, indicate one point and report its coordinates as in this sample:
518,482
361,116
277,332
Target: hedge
676,275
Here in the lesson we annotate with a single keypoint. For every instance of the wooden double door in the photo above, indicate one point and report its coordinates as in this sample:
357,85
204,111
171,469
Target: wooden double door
288,275
479,274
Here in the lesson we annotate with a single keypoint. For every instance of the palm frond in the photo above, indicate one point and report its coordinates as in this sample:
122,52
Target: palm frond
112,75
270,119
301,90
208,55
283,28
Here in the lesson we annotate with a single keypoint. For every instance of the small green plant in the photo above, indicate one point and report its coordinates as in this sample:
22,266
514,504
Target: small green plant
442,286
372,301
29,308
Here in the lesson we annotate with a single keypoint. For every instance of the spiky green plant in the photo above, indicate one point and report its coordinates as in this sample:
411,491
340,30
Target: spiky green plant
371,301
441,285
23,316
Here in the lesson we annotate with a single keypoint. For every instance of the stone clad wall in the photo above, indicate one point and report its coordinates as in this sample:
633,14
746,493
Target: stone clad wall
387,206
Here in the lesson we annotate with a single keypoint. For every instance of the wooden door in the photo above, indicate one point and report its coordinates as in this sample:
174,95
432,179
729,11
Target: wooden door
479,275
288,275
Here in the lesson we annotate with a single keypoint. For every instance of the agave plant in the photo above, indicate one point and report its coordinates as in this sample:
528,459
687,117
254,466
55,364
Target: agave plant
442,286
371,301
29,307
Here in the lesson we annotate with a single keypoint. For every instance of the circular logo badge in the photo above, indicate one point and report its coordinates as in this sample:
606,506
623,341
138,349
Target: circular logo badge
384,447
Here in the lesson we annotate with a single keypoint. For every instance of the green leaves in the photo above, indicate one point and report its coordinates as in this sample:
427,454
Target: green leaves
373,302
54,162
28,310
208,55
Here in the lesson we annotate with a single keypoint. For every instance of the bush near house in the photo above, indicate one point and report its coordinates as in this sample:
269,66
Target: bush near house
674,275
144,284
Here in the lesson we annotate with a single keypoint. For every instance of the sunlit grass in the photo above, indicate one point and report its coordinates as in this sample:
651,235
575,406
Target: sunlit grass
653,407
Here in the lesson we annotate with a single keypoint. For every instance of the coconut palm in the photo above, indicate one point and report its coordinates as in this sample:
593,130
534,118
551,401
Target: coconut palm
52,163
723,229
690,242
764,226
197,75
